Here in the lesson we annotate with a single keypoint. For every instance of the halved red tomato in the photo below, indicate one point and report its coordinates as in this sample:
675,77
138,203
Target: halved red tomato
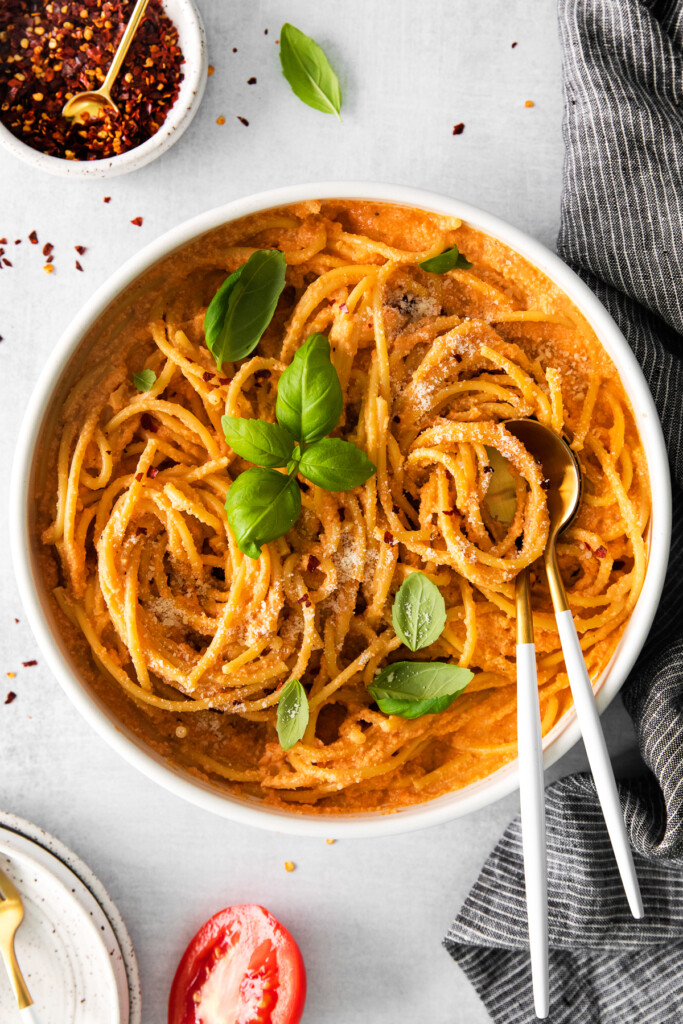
242,967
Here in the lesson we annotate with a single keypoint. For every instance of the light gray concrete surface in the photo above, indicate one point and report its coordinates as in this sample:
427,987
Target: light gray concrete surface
369,915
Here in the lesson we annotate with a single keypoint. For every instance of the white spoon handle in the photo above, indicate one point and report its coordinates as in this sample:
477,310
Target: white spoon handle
532,801
598,757
29,1016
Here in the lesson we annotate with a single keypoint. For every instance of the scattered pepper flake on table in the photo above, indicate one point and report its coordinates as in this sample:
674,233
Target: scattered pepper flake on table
78,266
47,248
36,80
210,70
48,268
80,249
528,103
107,199
10,697
29,664
330,842
243,120
513,45
220,120
289,865
33,238
251,81
11,675
137,221
458,129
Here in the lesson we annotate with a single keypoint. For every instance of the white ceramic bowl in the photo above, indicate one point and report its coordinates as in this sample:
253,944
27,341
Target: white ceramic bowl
204,794
192,40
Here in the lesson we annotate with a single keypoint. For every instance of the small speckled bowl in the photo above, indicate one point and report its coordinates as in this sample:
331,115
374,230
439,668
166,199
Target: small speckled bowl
192,40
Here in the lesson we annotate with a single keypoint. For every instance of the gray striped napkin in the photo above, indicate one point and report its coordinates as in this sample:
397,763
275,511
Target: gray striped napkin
622,230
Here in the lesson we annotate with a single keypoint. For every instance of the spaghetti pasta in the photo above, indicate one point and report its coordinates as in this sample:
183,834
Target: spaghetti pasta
190,641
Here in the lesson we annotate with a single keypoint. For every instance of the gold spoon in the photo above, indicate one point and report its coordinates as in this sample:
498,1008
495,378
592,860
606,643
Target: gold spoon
93,103
561,470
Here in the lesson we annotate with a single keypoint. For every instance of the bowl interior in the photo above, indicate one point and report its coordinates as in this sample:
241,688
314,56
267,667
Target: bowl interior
136,288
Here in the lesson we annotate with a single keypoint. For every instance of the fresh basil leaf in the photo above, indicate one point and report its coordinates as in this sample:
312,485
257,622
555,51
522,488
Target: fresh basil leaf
265,444
419,681
415,708
335,465
418,612
145,380
450,259
244,305
501,495
309,395
292,714
262,505
308,71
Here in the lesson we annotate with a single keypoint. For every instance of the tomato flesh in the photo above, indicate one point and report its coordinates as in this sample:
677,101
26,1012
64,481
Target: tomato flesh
242,967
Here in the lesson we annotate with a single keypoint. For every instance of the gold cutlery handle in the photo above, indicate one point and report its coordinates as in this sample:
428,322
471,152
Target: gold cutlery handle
23,996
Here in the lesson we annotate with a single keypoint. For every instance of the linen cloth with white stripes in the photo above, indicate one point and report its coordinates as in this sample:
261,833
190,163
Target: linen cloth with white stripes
622,230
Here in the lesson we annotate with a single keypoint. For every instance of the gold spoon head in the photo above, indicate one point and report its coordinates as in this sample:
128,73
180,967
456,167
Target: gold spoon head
88,103
560,469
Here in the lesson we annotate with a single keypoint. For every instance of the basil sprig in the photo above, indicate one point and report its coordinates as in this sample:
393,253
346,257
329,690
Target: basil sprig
292,714
411,689
244,305
308,71
450,259
263,504
419,612
145,380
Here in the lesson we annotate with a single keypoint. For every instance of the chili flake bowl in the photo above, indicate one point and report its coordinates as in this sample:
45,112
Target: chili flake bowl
192,41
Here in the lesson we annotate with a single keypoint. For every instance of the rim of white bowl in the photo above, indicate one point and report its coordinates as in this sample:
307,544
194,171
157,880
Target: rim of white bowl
192,39
369,824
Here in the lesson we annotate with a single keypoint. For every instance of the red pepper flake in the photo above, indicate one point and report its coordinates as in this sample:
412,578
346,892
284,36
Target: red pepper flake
225,380
207,376
220,120
388,538
11,675
234,49
78,266
33,238
137,221
48,268
80,249
265,31
3,241
60,48
147,423
47,248
29,664
6,261
17,241
251,81
344,308
313,563
107,199
152,472
10,697
243,120
513,45
305,600
50,259
138,477
448,511
210,70
458,129
601,552
16,622
528,103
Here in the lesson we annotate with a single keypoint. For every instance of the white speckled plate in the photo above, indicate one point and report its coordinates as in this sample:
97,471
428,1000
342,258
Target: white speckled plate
72,946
